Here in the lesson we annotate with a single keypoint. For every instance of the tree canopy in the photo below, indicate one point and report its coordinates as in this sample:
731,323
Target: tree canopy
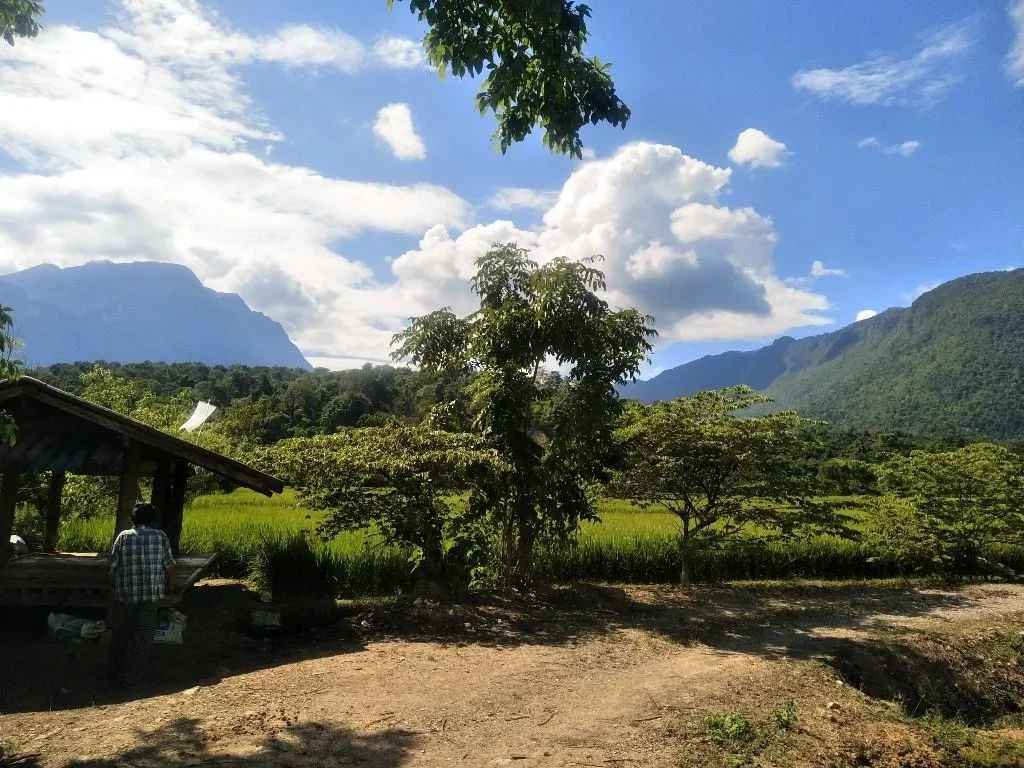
18,18
555,441
537,73
721,474
10,367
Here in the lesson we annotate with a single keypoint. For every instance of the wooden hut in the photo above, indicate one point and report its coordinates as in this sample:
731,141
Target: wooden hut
60,433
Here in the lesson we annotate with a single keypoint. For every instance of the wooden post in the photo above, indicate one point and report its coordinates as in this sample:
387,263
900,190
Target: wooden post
161,494
176,505
53,503
8,505
128,491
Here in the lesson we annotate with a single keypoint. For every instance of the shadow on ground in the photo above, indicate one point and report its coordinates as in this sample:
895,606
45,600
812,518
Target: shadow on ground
42,675
182,744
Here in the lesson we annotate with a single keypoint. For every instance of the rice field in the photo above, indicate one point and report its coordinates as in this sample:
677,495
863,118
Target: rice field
266,541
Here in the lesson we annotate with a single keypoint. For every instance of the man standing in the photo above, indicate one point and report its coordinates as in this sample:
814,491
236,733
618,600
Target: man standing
141,573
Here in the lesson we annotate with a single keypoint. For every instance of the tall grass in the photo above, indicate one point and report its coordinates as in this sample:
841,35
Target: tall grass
272,542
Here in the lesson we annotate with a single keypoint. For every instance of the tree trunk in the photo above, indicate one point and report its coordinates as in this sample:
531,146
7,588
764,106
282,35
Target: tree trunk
128,489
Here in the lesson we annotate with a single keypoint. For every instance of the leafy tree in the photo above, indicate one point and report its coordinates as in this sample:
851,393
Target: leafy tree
18,18
537,72
556,446
10,368
849,476
401,479
721,474
951,507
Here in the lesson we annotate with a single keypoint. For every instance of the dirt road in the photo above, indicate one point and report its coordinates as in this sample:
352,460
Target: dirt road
605,677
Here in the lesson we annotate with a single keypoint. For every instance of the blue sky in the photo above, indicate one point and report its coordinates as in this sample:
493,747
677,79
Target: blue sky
902,125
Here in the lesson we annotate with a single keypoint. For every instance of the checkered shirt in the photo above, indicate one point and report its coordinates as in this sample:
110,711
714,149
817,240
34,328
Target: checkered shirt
137,564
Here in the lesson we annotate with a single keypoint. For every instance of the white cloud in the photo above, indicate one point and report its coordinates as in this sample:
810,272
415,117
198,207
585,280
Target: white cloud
904,149
920,79
400,53
1015,58
670,248
515,198
757,149
818,269
588,153
133,141
864,314
921,289
394,126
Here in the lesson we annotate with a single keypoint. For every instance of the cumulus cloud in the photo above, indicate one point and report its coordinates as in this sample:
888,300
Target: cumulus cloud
903,149
670,248
1015,58
400,53
757,149
394,126
515,198
920,79
133,145
864,314
818,269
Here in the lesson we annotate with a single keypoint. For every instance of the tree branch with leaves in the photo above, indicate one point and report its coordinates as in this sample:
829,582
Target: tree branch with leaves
721,474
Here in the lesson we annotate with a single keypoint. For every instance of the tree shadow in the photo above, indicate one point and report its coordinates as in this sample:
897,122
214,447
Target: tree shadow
182,743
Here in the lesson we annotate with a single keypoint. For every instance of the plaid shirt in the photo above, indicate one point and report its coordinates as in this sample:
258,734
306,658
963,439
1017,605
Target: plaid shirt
137,564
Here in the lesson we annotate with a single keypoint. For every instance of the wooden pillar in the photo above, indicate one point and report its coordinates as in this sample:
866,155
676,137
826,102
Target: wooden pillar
8,504
53,504
128,491
176,504
160,496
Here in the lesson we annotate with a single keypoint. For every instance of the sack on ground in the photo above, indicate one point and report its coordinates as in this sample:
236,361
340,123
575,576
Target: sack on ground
65,628
170,626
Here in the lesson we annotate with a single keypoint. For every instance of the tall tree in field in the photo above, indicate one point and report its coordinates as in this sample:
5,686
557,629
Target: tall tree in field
10,368
18,18
952,507
556,446
537,73
722,475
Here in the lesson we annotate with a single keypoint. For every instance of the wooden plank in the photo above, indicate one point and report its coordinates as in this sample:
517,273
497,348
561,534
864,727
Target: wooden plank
54,497
128,490
176,505
8,505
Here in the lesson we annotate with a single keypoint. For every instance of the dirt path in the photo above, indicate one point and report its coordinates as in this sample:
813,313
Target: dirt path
598,688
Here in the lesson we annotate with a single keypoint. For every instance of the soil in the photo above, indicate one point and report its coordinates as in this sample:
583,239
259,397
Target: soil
590,676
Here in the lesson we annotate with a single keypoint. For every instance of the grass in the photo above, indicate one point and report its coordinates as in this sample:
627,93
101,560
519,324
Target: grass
267,540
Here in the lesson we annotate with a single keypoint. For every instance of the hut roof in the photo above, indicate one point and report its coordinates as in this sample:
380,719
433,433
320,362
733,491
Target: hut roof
61,432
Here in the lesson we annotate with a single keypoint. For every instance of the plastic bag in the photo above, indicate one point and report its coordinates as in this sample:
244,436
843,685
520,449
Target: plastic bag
170,627
66,628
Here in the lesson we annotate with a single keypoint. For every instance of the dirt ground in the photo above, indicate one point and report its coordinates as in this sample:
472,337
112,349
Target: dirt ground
593,676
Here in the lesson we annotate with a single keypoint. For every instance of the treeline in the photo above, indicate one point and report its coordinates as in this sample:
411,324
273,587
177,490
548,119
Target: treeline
263,405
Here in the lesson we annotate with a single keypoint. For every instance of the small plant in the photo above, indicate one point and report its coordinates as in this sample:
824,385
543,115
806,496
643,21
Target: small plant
729,727
785,717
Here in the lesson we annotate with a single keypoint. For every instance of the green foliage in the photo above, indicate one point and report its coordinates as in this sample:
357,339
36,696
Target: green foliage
399,478
849,477
537,73
18,19
10,368
555,441
785,717
952,507
720,474
729,727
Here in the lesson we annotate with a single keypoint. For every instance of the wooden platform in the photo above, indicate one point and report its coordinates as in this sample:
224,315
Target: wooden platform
80,579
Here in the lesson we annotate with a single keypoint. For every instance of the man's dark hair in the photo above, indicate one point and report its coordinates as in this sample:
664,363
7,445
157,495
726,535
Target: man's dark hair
144,513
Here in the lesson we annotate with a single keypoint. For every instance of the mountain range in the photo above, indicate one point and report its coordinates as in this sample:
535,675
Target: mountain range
134,312
951,362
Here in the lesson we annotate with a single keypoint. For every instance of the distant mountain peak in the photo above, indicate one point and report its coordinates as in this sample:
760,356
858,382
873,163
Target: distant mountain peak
138,311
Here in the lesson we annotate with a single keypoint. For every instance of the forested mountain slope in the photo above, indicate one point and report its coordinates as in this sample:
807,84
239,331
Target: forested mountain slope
952,361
